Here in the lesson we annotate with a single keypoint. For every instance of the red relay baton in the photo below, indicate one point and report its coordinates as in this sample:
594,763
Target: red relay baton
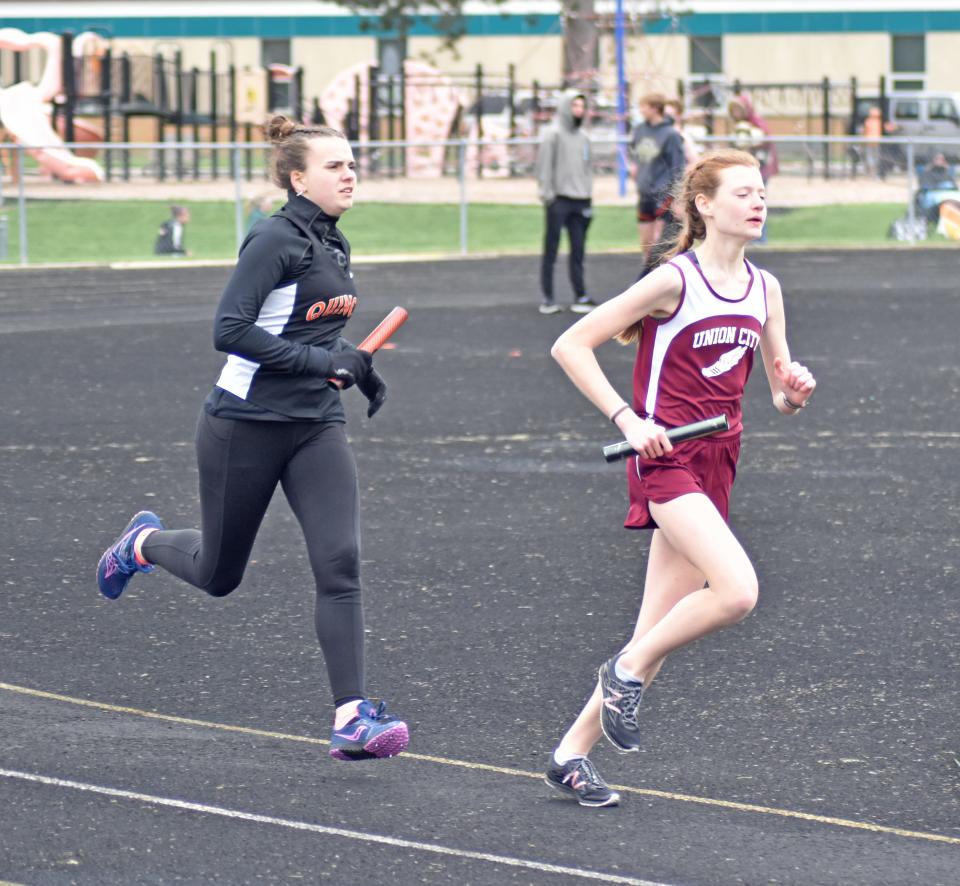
380,333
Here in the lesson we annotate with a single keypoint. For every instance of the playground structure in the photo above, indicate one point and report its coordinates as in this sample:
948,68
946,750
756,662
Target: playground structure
422,105
84,92
26,109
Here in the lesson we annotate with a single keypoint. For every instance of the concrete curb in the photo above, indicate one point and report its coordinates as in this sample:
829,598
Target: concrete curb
410,258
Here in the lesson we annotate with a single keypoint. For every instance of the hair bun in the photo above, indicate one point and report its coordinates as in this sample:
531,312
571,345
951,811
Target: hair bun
279,128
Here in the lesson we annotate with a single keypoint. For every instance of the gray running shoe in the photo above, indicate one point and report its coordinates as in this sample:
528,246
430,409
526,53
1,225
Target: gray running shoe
583,305
578,780
549,307
620,704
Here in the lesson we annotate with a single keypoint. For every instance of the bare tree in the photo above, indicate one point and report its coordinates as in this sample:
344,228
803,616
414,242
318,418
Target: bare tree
581,26
581,46
446,17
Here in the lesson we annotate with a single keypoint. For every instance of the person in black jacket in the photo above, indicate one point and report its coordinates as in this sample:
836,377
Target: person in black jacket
656,148
275,416
170,235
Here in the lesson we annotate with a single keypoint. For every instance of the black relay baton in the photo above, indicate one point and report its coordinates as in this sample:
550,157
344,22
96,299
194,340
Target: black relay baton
618,451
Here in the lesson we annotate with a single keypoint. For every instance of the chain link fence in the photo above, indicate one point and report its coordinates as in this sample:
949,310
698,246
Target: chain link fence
41,214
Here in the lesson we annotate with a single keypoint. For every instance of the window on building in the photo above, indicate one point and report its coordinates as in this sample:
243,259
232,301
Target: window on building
706,55
391,53
908,57
909,53
275,52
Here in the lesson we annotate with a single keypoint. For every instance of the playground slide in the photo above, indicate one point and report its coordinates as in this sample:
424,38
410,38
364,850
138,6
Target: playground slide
22,114
24,111
51,44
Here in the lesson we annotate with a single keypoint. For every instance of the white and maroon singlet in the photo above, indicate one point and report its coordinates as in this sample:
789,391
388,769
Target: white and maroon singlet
695,363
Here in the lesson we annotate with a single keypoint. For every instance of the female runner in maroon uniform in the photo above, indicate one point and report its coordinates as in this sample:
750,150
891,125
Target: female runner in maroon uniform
697,320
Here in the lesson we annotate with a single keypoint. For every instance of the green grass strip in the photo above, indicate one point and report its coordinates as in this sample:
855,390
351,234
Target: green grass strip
107,231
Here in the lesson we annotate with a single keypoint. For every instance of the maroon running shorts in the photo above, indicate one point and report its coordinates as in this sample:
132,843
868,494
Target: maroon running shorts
707,465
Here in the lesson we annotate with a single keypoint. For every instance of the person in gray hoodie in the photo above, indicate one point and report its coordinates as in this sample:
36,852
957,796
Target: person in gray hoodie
565,183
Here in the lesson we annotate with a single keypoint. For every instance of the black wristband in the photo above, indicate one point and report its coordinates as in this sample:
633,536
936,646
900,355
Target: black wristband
613,418
790,404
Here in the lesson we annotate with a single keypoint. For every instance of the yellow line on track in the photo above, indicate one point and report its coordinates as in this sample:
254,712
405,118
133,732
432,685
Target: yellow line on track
486,767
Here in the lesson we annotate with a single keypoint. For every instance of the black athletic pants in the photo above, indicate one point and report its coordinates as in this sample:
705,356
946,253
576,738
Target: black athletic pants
240,464
575,216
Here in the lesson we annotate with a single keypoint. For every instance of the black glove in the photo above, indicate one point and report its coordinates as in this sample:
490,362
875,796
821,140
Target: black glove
374,388
351,366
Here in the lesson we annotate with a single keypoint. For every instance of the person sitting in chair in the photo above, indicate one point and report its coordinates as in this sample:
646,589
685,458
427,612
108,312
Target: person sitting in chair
937,174
936,184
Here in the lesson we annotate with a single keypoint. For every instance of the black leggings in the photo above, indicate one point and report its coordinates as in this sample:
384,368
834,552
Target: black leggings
240,464
575,216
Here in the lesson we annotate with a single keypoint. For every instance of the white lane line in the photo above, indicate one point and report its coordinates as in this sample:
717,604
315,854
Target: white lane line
487,767
435,848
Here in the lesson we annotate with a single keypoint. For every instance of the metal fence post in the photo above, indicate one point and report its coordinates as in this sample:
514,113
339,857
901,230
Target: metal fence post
238,196
21,205
4,227
462,174
825,86
911,191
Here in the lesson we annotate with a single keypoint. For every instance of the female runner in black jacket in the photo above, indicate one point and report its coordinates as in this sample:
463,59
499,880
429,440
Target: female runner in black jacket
274,417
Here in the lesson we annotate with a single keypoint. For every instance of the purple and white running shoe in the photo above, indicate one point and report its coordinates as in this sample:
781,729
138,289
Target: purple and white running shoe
371,735
118,563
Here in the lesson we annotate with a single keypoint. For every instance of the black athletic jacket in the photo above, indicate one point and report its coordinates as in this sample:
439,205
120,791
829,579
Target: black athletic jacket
280,317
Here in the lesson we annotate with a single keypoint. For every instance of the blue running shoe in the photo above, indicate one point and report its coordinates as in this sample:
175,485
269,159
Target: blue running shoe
371,735
118,565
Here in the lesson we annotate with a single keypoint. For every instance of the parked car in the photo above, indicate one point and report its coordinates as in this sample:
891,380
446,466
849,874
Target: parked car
925,114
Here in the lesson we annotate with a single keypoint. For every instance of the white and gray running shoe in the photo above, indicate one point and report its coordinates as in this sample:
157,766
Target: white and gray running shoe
578,780
620,705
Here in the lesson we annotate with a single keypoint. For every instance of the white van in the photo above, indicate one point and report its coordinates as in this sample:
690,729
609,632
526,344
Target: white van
926,115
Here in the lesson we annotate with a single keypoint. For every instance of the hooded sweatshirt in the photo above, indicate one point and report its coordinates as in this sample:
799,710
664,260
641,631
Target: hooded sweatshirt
563,161
657,149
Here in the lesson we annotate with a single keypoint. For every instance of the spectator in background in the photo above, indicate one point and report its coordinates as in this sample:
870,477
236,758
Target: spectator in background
872,133
565,183
673,110
170,236
260,208
935,185
749,134
937,174
657,152
749,129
